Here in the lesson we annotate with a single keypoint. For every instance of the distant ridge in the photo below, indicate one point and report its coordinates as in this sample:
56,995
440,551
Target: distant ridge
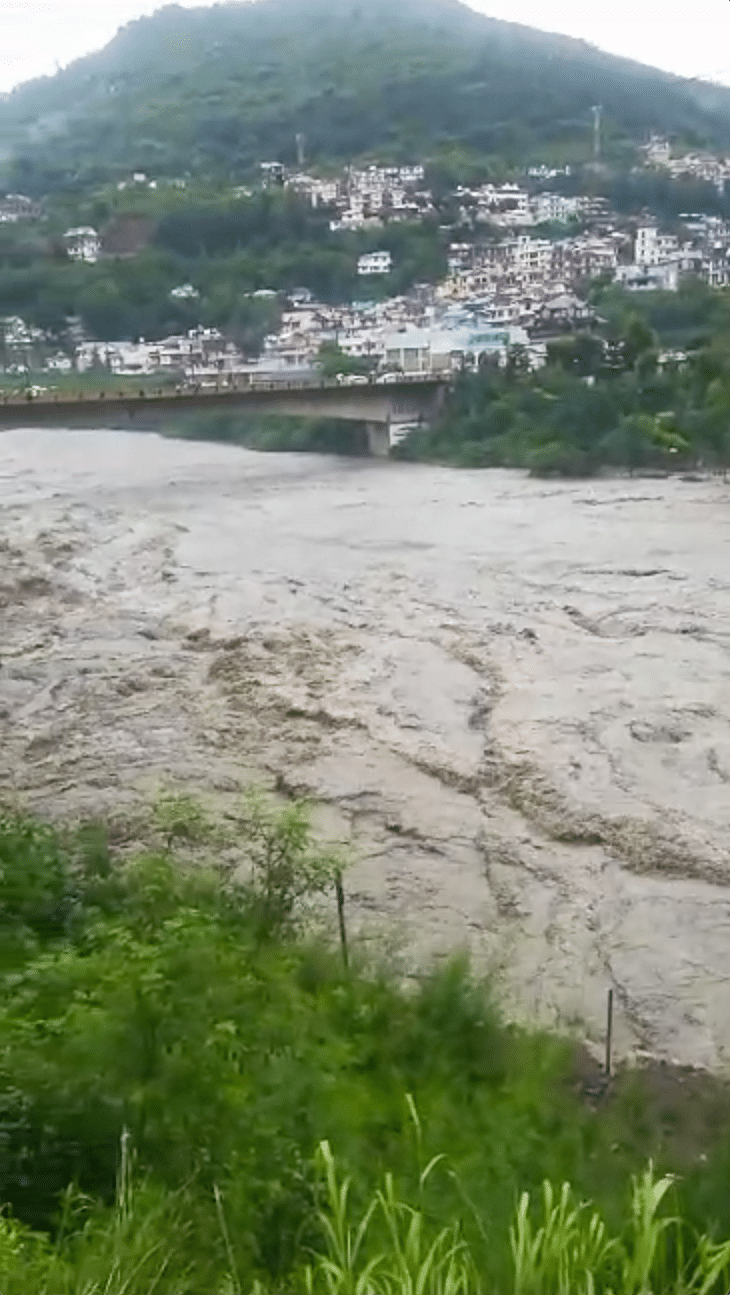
217,89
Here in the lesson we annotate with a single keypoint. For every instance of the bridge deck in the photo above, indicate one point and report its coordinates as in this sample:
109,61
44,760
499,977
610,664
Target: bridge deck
343,399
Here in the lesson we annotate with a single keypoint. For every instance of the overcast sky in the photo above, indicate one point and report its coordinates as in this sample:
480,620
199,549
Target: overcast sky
691,37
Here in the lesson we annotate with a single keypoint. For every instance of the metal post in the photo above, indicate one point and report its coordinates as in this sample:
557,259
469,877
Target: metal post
339,890
609,1033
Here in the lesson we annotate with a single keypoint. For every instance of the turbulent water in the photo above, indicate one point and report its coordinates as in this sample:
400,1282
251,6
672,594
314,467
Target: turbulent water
511,698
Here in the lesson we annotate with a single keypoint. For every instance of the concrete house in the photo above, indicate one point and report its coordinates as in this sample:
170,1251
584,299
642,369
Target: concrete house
375,263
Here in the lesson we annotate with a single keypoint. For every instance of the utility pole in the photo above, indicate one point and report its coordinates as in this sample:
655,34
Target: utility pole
300,149
597,111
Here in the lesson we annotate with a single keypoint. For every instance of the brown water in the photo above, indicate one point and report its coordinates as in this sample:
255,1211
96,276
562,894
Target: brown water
512,697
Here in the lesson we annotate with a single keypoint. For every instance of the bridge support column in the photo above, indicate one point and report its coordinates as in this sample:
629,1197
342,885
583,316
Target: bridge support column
378,435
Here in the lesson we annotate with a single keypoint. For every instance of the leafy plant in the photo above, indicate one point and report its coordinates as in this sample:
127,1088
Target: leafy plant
411,1256
286,865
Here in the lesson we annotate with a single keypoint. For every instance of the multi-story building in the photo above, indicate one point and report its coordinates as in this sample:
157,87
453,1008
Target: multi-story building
657,152
532,257
651,247
553,208
375,263
648,278
82,244
716,270
15,207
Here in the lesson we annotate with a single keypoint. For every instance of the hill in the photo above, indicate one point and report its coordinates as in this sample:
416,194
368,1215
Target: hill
215,90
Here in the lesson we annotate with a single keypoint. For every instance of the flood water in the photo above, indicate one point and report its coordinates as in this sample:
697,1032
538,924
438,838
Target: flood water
511,698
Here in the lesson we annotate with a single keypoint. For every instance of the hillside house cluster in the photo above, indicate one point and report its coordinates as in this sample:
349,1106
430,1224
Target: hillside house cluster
15,207
514,278
23,348
512,206
363,197
657,154
410,334
507,284
661,260
200,355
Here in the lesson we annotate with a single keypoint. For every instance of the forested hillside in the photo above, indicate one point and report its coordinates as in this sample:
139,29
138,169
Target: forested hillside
218,89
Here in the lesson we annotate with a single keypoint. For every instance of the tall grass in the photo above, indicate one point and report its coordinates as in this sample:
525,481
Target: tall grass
559,1246
130,1250
389,1245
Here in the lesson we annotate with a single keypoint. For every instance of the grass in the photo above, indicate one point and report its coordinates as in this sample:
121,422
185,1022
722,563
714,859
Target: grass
559,1244
129,1250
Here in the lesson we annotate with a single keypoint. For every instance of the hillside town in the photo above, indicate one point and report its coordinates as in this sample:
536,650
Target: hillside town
517,275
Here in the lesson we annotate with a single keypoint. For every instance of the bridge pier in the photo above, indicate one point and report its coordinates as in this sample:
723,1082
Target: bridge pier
378,435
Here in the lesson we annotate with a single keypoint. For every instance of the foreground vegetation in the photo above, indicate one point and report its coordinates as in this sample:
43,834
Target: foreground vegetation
196,1097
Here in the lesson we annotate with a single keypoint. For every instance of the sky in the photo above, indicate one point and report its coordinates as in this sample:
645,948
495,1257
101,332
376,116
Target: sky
690,37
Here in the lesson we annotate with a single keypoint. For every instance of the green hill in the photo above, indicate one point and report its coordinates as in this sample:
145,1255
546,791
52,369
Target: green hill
218,89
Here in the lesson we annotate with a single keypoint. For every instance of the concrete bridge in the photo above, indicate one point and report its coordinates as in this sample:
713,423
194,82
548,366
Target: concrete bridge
379,405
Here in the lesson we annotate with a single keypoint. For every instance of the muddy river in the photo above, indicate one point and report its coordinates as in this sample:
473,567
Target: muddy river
511,698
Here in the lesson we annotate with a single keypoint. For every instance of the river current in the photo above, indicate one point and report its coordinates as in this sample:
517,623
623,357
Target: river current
510,698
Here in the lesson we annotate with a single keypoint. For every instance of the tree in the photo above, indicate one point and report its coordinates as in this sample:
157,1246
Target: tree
582,355
332,360
638,338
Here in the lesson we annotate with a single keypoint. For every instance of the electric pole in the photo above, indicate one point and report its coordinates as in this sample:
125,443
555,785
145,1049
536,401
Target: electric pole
597,111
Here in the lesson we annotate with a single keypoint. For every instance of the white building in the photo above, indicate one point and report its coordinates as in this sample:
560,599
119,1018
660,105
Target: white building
716,271
648,278
651,247
658,151
532,256
82,244
553,208
441,350
506,204
375,263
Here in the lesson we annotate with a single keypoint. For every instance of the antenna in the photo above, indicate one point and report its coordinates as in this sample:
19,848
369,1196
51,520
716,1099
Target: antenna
300,150
597,111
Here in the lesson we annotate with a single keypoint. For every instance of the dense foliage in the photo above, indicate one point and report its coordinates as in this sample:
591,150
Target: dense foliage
226,250
178,1013
634,192
216,90
275,433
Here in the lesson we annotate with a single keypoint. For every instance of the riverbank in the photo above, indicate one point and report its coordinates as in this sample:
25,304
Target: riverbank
510,699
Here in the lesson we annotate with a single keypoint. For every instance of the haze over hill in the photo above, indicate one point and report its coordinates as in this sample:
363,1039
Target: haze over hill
221,88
